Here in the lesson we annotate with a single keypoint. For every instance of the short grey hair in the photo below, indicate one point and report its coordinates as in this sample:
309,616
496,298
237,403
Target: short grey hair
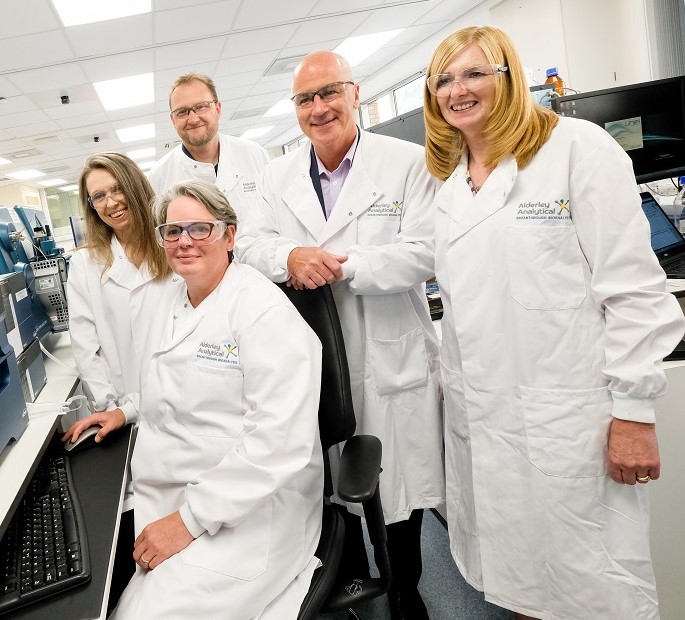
208,195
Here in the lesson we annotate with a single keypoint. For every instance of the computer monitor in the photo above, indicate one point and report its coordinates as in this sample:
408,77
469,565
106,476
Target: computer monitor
647,120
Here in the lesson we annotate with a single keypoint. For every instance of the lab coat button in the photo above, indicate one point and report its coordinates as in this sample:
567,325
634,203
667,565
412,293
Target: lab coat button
350,213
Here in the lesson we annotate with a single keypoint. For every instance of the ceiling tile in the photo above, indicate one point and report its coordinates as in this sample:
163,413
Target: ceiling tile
28,17
59,77
187,54
194,22
112,67
333,7
113,36
260,13
318,30
273,38
251,62
36,50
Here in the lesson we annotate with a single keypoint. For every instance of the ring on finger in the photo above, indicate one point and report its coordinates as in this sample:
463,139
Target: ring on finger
143,560
643,479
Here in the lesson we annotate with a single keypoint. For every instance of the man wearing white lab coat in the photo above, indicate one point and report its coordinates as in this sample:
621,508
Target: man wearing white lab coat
232,164
354,211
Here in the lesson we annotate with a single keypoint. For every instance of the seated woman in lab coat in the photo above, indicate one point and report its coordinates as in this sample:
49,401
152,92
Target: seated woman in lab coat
106,277
556,320
227,468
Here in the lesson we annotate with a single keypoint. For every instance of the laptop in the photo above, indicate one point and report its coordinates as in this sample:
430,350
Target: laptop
667,242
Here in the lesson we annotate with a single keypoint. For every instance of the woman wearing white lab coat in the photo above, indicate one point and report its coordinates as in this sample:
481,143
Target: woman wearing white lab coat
227,468
555,323
382,222
107,279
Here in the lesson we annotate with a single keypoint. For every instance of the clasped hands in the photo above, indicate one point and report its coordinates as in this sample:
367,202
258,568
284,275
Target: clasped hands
312,267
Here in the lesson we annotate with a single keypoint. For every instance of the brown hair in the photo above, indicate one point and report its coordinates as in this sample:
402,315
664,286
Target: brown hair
139,195
187,78
517,126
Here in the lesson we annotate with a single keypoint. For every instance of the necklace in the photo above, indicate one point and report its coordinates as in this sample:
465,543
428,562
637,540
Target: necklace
472,187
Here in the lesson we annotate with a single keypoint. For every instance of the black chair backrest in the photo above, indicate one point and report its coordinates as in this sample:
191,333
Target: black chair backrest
336,411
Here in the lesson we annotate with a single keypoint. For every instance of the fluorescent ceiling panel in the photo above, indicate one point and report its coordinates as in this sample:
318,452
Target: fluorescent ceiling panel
357,49
76,12
146,165
139,132
52,182
69,188
126,92
280,108
24,175
256,132
141,153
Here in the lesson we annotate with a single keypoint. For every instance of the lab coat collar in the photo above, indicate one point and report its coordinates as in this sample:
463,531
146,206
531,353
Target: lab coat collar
467,211
176,334
229,172
357,195
300,196
122,271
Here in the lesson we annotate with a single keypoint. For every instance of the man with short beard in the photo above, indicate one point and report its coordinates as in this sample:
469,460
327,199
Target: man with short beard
232,164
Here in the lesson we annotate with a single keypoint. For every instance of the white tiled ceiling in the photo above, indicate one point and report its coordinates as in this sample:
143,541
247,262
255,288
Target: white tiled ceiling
234,41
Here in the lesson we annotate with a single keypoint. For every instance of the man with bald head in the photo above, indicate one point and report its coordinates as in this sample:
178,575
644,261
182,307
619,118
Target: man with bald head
353,210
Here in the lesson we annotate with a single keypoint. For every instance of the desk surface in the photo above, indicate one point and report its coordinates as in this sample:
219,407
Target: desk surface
99,476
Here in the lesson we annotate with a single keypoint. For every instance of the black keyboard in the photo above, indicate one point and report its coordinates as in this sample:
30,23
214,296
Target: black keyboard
44,550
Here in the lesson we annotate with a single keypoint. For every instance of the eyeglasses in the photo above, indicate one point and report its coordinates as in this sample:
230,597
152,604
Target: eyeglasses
472,79
327,93
100,198
169,235
198,108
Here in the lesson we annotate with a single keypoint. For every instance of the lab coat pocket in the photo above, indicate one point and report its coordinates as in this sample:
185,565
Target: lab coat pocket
212,400
545,265
567,430
454,410
241,552
398,365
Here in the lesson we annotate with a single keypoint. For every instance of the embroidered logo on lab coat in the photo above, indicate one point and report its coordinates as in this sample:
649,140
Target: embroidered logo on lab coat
388,209
226,353
249,186
544,210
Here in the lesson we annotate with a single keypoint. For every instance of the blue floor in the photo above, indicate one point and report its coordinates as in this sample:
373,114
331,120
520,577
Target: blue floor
446,594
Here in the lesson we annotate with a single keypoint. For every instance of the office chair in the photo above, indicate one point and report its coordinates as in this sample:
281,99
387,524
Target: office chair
360,467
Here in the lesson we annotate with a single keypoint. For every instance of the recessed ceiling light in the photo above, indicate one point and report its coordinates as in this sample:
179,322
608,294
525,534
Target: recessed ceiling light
126,92
280,108
357,49
141,153
24,175
52,182
69,188
256,132
140,132
75,12
4,161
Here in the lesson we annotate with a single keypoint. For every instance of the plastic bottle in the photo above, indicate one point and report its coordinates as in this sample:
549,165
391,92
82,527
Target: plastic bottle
553,78
679,206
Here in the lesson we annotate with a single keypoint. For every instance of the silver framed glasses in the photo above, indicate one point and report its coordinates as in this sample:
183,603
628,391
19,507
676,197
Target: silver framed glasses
327,93
471,79
198,108
98,199
202,233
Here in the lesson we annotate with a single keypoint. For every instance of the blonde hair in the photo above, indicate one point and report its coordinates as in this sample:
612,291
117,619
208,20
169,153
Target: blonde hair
187,78
139,195
517,126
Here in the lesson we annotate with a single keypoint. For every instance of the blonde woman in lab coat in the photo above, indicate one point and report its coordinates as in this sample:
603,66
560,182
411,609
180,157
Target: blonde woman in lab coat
227,469
556,321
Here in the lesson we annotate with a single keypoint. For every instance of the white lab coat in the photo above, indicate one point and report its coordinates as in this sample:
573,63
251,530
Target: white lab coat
240,163
228,435
100,315
555,318
383,221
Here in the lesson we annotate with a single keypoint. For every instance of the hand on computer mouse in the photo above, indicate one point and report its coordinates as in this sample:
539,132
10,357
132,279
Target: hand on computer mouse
87,439
107,421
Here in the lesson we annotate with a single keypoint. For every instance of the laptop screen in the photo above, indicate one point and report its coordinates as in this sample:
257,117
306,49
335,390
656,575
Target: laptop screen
665,236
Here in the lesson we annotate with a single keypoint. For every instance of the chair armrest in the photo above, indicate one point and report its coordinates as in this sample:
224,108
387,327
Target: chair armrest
360,468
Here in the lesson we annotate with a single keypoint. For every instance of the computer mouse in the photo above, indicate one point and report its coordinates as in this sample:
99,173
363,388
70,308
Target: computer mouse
85,440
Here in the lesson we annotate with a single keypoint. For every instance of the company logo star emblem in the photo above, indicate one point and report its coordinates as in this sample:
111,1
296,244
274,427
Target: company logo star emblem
564,205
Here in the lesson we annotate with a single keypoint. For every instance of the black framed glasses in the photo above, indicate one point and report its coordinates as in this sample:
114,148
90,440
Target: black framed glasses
168,235
198,108
98,199
327,93
471,79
